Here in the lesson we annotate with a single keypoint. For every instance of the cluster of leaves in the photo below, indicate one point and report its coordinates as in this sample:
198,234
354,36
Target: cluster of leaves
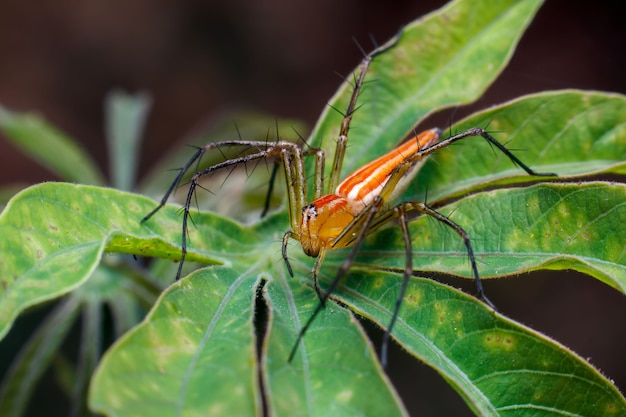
196,350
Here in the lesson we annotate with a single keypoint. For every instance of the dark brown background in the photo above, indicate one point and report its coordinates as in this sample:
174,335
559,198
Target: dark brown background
201,58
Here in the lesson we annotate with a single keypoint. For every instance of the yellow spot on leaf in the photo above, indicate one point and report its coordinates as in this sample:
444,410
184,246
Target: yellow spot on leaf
499,341
378,283
344,396
413,298
611,409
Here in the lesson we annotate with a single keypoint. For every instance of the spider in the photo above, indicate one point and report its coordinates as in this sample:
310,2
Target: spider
352,208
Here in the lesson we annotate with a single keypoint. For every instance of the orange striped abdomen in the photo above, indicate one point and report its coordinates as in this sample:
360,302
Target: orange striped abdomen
363,185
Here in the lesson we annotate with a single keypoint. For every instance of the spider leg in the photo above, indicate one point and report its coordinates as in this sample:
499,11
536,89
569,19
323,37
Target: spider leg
190,192
270,189
368,216
373,221
408,272
477,131
342,139
320,162
316,283
286,237
509,154
195,157
318,180
423,208
291,157
175,183
375,217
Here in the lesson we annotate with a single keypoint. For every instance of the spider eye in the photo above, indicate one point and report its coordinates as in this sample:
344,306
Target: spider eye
309,211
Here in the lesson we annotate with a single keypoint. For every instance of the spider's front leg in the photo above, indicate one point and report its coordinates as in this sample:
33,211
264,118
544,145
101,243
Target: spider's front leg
359,227
317,224
289,153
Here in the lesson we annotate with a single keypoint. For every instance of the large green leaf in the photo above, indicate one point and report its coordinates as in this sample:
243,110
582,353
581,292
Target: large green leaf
335,372
193,355
445,59
545,226
499,367
570,132
53,236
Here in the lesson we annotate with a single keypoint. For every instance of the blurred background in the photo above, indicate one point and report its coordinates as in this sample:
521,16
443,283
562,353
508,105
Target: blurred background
202,59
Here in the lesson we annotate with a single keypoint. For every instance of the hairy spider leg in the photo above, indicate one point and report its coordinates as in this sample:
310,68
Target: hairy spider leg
291,156
341,215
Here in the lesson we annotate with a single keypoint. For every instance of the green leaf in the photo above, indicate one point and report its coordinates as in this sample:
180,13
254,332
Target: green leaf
335,372
50,147
545,226
53,236
89,354
197,295
571,133
125,119
445,59
194,353
499,367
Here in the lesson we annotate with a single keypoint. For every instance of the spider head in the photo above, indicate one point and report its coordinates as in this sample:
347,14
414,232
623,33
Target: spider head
322,221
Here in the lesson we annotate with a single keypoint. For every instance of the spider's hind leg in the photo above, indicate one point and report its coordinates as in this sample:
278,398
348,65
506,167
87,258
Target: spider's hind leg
400,213
425,209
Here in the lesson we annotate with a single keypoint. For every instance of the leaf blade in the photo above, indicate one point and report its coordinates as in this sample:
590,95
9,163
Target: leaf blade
331,362
125,120
50,147
34,357
481,353
194,353
585,134
54,235
512,231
